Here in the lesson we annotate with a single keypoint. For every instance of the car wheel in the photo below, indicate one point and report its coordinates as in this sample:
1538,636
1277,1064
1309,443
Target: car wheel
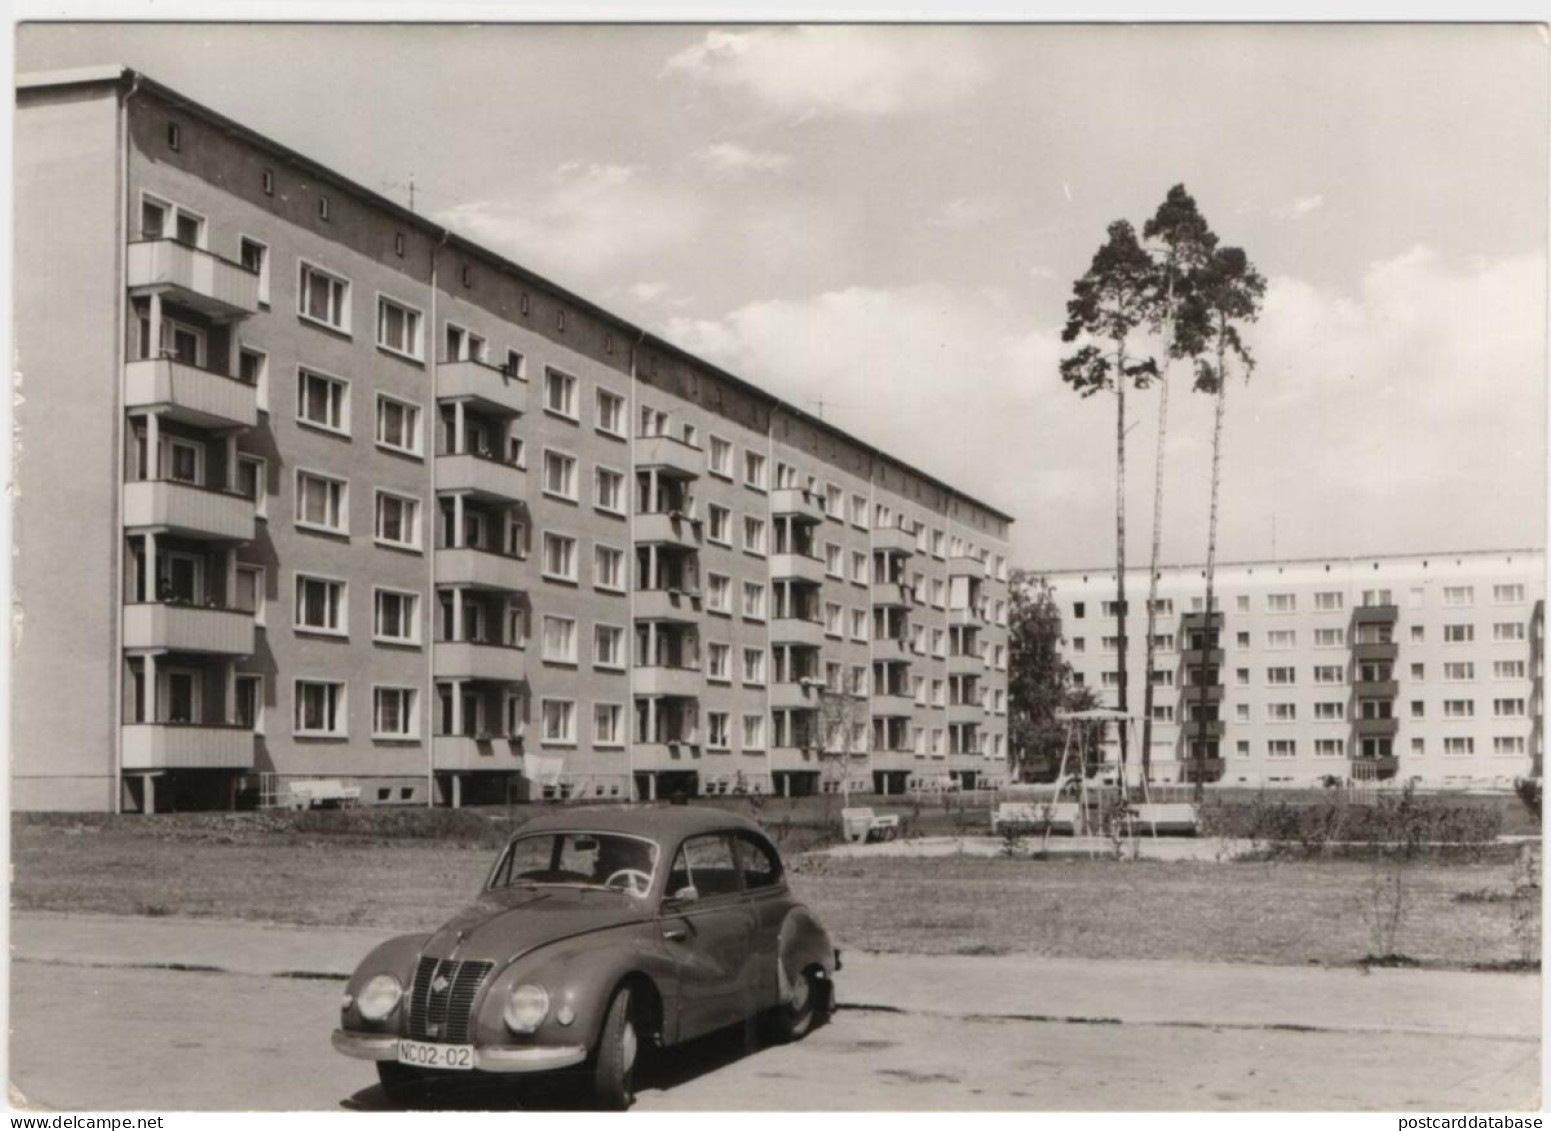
795,1019
619,1047
402,1082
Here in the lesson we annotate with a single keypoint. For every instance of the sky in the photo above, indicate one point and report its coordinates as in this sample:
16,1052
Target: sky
883,224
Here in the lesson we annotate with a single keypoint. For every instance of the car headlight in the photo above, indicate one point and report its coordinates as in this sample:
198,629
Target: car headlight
379,996
526,1007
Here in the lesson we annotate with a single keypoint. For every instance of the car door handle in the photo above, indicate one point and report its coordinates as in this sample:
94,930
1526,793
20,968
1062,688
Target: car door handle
675,934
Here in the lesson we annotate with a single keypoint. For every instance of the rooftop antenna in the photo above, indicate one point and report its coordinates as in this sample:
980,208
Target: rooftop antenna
410,186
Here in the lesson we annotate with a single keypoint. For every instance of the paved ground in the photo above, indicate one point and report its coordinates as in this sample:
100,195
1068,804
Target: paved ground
237,1028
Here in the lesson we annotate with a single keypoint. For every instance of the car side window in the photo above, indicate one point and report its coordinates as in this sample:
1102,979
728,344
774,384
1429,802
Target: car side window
761,865
706,864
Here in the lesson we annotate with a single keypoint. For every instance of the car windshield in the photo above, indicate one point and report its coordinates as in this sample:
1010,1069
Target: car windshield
607,861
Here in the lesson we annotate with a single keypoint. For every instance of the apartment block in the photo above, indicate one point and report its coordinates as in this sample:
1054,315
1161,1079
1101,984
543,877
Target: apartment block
312,489
1420,666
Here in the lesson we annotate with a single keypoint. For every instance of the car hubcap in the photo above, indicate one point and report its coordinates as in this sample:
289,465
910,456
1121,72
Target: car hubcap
800,993
627,1047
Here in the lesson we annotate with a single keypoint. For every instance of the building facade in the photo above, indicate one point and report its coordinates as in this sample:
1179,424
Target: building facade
1422,666
309,487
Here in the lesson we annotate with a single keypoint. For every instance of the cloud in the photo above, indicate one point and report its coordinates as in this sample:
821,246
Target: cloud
1299,208
646,292
966,212
731,159
591,217
848,71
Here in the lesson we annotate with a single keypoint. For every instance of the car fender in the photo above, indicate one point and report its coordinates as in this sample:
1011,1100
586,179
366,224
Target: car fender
396,957
803,943
581,974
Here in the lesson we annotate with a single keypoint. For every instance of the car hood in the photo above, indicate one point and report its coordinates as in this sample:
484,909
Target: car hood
503,925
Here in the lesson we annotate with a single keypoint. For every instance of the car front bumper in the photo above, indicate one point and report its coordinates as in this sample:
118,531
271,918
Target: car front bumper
487,1058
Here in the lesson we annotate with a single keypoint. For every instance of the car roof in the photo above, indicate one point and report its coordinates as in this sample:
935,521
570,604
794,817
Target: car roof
660,823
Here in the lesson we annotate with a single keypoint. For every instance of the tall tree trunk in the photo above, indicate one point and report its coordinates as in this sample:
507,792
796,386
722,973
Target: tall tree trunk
1120,545
1157,537
1211,562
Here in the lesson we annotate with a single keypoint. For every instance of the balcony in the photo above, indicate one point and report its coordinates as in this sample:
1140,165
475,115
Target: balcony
797,695
667,454
892,595
188,510
187,746
897,760
1389,650
211,630
1212,768
1376,728
680,682
1376,689
796,630
1197,621
961,566
1384,767
681,755
468,659
893,540
967,713
797,567
1195,657
794,502
480,569
1192,729
965,618
680,606
965,664
795,758
1376,614
483,476
668,528
892,706
200,397
194,277
476,752
1191,693
490,389
892,649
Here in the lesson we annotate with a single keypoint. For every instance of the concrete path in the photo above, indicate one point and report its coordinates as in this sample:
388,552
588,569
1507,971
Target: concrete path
1163,992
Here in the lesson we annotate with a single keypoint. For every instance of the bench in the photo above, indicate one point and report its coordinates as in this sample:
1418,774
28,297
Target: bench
862,825
1172,816
313,793
1030,816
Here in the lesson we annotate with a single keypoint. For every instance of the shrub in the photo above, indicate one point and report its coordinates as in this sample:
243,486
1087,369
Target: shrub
1398,821
1528,790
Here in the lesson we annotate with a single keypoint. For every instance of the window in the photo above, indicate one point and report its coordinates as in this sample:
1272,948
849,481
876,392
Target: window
1329,748
560,639
1240,713
718,595
834,618
1163,714
1459,595
1282,640
608,646
1418,633
1281,602
1508,744
255,257
559,475
320,708
1508,708
834,501
1507,594
250,703
320,604
608,490
1281,676
1241,603
859,567
395,618
753,600
1418,673
161,220
1113,608
718,524
1282,748
323,401
1374,598
1418,708
1330,638
1459,672
858,624
324,298
1282,712
1329,602
1330,712
1079,645
834,559
754,470
753,665
322,503
1330,673
1459,633
398,425
560,393
939,642
719,457
1459,708
608,724
1109,643
940,593
717,736
753,732
559,720
1241,640
253,368
753,534
718,661
398,328
464,345
393,713
559,556
397,520
611,413
253,482
1416,597
250,591
1507,669
859,511
1505,631
1458,745
608,568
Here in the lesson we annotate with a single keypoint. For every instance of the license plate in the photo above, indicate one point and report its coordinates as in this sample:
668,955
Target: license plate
425,1055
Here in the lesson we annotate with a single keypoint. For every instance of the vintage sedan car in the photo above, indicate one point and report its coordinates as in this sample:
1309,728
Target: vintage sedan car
599,935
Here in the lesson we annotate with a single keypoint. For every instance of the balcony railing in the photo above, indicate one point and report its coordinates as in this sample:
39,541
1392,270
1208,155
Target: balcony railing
893,540
892,595
797,630
795,502
498,390
187,746
671,528
670,754
201,397
481,660
679,605
1376,614
1376,650
797,694
683,681
480,568
189,510
670,455
477,752
483,475
961,565
1376,728
797,567
204,628
892,706
198,278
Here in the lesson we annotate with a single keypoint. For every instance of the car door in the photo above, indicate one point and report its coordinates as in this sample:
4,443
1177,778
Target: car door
765,885
710,936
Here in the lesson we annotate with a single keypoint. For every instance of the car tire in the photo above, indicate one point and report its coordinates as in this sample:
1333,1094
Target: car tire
794,1020
619,1048
402,1082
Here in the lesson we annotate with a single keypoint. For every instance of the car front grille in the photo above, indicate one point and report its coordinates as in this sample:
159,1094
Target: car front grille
446,1014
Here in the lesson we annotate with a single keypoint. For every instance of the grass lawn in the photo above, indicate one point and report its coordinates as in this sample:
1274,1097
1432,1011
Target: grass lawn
402,871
